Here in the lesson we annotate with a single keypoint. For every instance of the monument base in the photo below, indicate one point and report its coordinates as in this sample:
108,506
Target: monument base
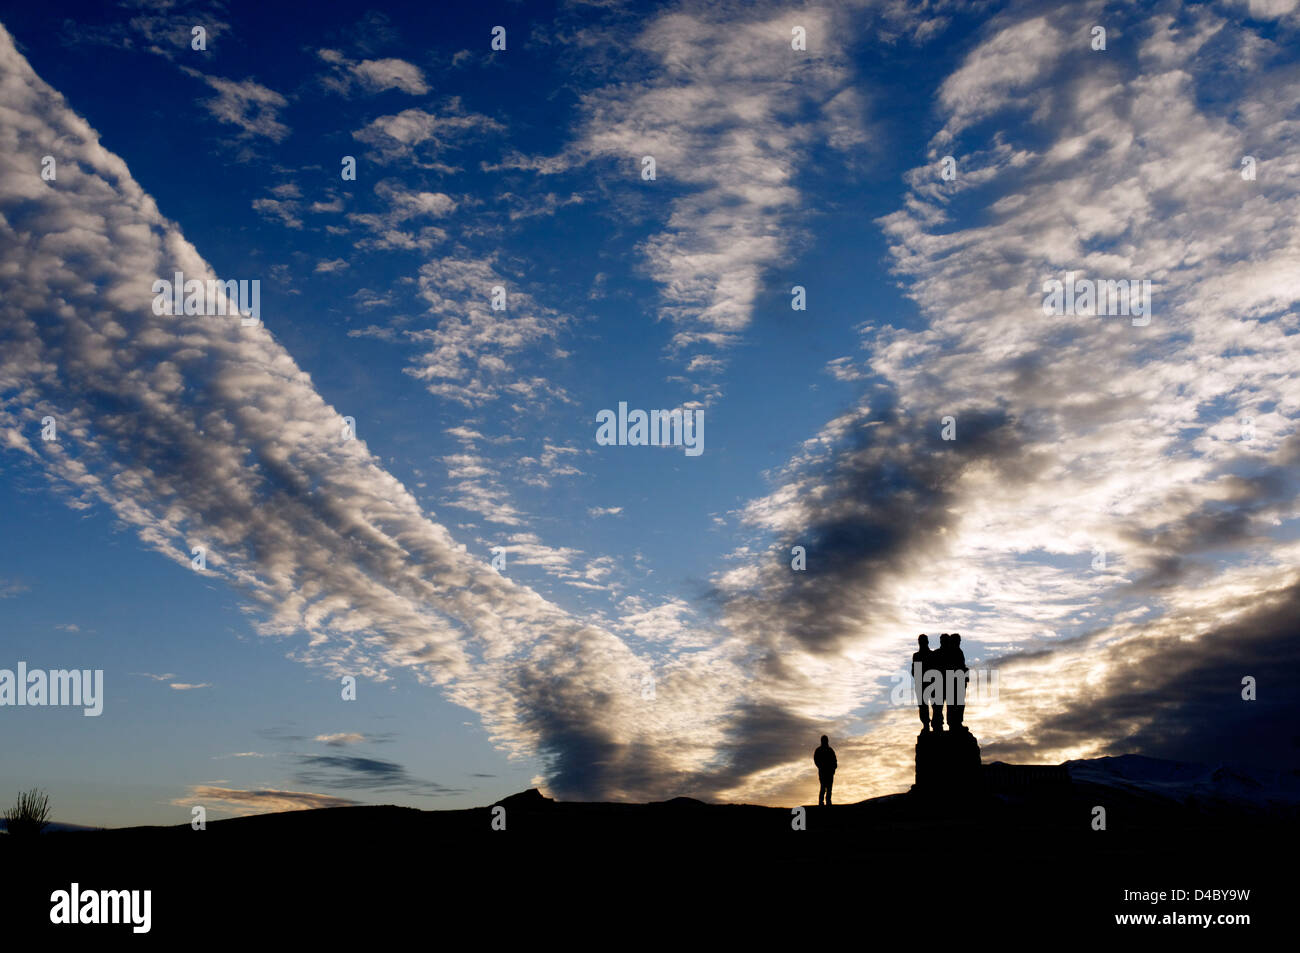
947,761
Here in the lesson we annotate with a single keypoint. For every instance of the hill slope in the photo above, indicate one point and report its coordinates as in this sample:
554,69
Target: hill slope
1167,825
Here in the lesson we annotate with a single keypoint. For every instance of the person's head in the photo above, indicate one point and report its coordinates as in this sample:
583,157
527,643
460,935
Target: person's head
943,639
825,741
923,640
956,639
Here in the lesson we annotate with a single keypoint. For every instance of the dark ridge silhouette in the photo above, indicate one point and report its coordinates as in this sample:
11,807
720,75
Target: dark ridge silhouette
681,802
1009,778
1021,836
526,800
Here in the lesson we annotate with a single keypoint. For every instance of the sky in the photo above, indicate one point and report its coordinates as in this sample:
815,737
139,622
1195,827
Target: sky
825,230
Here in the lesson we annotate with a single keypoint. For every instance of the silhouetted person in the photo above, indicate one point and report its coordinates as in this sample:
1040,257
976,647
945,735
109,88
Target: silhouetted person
922,662
959,674
824,758
939,661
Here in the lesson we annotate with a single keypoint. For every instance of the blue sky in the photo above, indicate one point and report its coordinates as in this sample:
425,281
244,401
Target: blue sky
521,167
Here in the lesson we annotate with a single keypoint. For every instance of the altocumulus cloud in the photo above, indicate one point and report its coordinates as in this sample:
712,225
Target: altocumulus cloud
1076,437
721,103
246,440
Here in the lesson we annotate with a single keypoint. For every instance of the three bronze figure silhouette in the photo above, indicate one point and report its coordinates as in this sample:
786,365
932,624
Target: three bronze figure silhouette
939,677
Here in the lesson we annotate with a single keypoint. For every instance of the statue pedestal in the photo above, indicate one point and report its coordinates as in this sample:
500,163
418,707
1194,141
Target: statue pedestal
947,761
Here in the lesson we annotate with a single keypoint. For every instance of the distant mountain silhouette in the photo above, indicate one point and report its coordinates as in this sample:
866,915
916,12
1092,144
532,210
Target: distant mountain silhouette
1186,782
532,798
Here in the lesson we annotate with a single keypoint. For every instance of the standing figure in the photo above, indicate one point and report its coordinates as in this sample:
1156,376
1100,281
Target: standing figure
940,661
922,662
824,758
956,689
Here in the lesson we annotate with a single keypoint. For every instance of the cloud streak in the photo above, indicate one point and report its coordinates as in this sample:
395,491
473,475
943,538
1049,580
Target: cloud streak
261,801
224,443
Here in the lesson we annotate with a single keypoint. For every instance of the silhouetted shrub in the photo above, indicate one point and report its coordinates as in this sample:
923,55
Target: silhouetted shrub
29,815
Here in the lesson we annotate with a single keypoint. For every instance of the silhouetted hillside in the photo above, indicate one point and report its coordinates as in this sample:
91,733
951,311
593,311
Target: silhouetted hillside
1032,845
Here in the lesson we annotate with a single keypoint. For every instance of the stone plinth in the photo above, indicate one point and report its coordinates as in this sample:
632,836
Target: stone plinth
947,761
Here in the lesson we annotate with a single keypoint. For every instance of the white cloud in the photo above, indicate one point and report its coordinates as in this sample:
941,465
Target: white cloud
374,76
286,212
252,107
468,356
729,113
378,75
998,70
392,228
342,738
422,138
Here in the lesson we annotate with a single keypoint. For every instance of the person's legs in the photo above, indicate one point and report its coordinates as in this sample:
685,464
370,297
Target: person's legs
925,717
957,701
936,717
830,782
821,791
